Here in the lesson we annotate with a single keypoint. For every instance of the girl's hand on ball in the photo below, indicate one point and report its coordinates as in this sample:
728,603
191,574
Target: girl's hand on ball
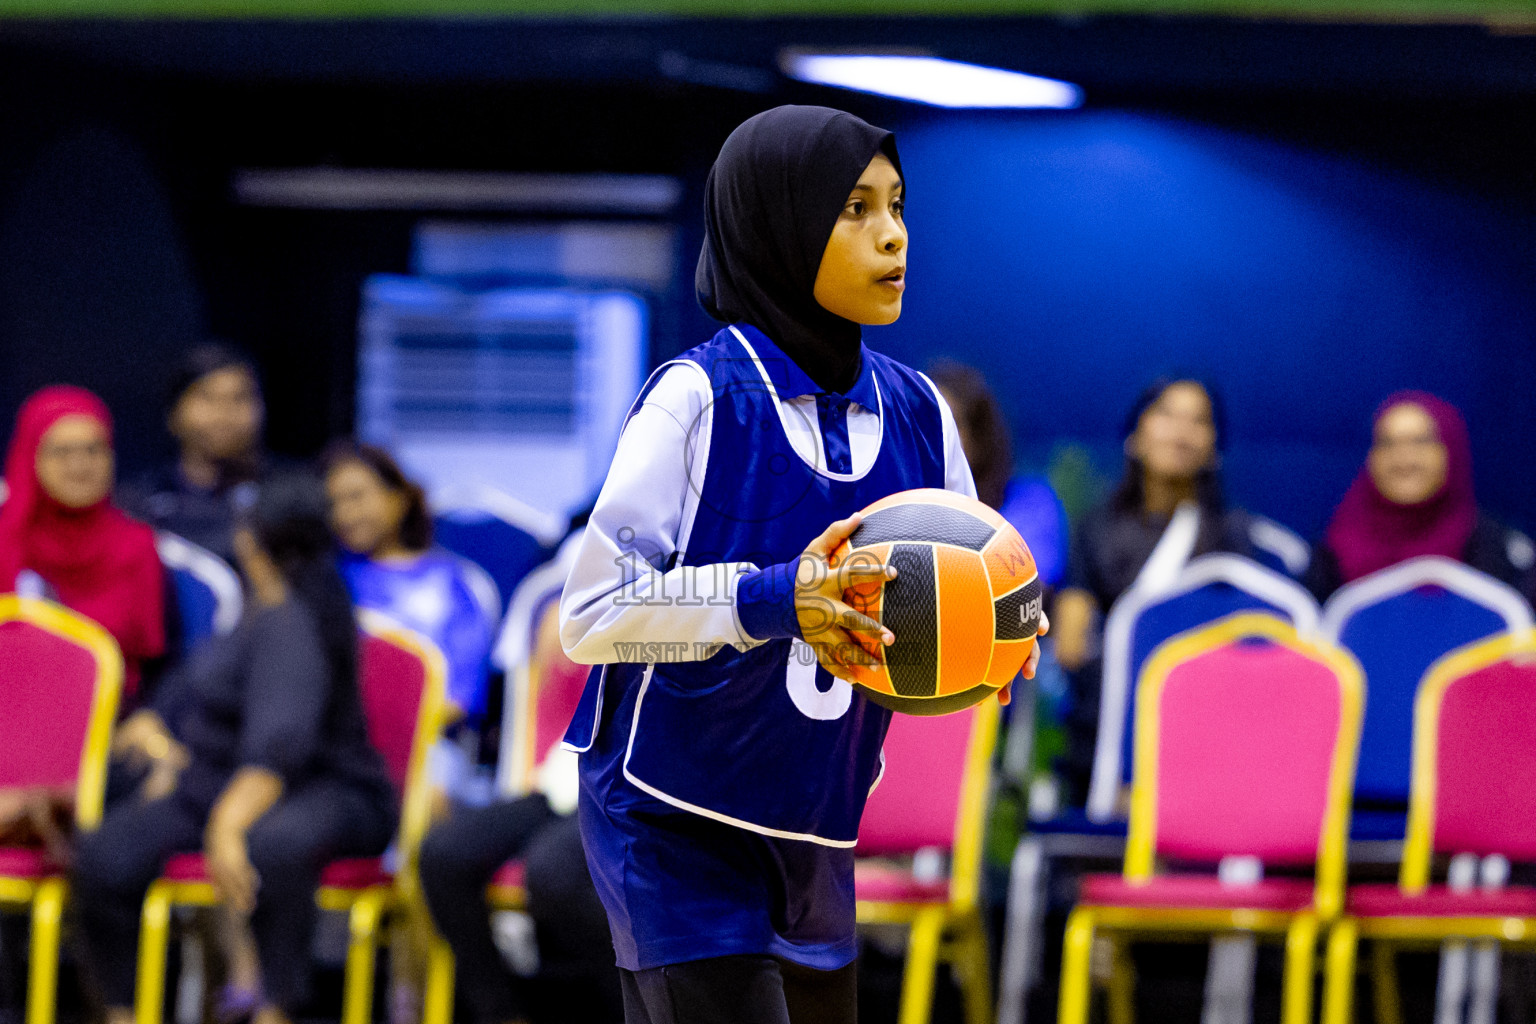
1006,693
841,636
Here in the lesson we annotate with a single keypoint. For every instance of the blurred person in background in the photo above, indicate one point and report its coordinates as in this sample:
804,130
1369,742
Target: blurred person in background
215,412
381,519
62,538
1414,497
1167,508
273,776
1028,502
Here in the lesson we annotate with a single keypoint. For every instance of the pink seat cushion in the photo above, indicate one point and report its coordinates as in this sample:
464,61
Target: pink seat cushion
355,873
874,882
1245,753
559,687
1439,901
47,685
391,680
1485,775
510,875
26,862
918,798
1197,892
347,873
185,867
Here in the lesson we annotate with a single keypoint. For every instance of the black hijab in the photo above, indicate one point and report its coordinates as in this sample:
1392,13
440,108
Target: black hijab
770,204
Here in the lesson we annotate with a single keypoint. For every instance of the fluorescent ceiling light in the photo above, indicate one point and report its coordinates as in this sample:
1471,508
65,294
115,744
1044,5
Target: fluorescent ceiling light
336,188
942,83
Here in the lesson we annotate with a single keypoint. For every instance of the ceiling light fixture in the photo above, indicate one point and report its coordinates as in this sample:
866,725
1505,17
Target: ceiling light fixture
932,80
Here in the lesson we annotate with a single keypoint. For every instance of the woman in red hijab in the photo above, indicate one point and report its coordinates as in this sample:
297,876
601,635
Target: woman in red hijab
1414,497
61,535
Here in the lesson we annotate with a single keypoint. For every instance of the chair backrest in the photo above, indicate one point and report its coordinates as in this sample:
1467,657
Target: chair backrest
1245,747
60,678
543,686
932,792
1398,622
487,595
1208,588
503,536
208,592
1474,756
402,681
1278,547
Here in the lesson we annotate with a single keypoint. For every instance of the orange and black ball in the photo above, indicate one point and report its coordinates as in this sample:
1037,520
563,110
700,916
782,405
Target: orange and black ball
964,606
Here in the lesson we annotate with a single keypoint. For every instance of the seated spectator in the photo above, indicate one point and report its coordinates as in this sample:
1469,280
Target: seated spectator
577,977
391,566
273,778
62,538
215,412
1167,508
1414,497
1028,502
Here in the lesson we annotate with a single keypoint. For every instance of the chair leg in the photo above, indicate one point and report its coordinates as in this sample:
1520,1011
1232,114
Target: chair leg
43,970
922,961
1451,989
1339,980
1484,1004
437,1003
1076,954
1229,979
154,942
1122,985
1021,939
973,965
363,932
191,981
1300,965
1389,1006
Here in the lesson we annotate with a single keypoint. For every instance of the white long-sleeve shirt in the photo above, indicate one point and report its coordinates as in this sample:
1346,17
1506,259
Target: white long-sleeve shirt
647,505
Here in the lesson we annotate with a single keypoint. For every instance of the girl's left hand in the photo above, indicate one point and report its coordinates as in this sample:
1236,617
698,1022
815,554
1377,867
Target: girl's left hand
1006,693
229,866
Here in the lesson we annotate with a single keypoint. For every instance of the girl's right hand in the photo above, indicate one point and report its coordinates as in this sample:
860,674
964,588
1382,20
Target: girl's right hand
827,622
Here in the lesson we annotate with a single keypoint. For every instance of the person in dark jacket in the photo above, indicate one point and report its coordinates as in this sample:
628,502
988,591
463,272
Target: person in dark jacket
1414,497
1167,508
215,411
272,775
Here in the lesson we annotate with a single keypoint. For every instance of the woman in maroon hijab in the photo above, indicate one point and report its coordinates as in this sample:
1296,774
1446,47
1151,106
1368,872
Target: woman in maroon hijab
1414,497
62,538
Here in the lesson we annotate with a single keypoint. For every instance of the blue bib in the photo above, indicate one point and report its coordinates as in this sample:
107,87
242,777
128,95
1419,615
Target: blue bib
763,739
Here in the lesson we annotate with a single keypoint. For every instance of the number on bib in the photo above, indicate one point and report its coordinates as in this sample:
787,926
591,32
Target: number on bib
800,678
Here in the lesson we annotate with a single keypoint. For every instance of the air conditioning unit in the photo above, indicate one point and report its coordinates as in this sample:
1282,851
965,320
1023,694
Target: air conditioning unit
523,390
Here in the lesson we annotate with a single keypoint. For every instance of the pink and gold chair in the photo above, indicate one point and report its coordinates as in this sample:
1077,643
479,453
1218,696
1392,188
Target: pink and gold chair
931,797
60,677
1245,748
1473,792
401,678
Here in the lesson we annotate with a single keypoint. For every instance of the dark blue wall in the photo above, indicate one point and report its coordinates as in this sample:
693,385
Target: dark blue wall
1076,256
1073,255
